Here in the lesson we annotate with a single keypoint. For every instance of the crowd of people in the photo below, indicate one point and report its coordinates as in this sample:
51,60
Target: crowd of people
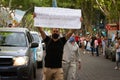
97,45
62,58
93,44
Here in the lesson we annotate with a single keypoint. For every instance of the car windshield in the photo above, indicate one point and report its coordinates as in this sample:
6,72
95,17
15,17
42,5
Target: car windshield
36,38
14,39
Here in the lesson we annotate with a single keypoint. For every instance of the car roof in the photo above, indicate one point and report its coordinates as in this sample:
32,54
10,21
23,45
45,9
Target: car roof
34,32
17,29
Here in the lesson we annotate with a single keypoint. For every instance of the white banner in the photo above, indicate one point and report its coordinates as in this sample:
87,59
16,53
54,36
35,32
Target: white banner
19,15
55,17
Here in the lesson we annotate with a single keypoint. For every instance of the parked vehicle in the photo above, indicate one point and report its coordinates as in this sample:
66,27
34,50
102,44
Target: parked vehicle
110,51
39,50
16,54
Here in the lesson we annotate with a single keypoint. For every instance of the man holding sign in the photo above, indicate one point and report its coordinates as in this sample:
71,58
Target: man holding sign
54,44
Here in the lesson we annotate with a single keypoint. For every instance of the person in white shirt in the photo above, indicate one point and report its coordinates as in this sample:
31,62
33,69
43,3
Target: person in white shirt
96,47
117,46
103,45
71,59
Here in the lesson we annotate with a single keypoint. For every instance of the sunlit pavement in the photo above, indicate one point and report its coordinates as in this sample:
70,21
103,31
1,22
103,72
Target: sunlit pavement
97,68
94,68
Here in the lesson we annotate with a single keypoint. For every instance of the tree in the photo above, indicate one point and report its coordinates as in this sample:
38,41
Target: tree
92,10
110,8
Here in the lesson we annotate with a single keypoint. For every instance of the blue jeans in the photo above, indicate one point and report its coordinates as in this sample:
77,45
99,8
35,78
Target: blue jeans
118,56
117,59
96,50
92,50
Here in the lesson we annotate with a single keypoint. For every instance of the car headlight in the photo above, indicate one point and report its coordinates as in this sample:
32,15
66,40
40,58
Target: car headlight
20,60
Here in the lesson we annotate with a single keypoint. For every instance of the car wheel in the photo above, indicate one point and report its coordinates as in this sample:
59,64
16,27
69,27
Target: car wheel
31,77
34,73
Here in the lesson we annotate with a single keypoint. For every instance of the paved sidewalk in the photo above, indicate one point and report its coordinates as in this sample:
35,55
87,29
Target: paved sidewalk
97,68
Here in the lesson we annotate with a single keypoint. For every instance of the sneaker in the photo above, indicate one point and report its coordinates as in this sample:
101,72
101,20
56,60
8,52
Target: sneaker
116,68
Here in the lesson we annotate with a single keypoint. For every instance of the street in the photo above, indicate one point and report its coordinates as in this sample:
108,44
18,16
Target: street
94,68
98,68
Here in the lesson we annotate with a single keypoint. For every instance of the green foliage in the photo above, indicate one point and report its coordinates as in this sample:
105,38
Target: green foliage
76,4
109,8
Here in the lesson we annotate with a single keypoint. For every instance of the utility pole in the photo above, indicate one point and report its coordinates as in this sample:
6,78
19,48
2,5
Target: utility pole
10,4
54,3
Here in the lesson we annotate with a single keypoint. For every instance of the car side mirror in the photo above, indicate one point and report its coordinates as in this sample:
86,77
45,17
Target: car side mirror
34,45
43,44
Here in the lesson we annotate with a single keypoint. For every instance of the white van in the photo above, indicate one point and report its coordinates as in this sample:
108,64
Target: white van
39,50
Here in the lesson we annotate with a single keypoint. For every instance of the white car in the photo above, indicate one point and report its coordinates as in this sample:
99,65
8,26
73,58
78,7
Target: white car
39,50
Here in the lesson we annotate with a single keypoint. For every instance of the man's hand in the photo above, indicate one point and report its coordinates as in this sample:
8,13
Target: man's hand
81,19
34,15
42,32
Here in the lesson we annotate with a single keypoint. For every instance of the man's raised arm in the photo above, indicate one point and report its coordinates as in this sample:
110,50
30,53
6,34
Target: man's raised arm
42,32
70,32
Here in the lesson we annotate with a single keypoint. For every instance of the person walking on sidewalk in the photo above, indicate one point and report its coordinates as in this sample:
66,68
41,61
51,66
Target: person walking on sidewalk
54,52
103,45
92,45
71,59
117,45
96,45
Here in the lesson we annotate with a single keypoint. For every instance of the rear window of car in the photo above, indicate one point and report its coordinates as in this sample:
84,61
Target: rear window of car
36,38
